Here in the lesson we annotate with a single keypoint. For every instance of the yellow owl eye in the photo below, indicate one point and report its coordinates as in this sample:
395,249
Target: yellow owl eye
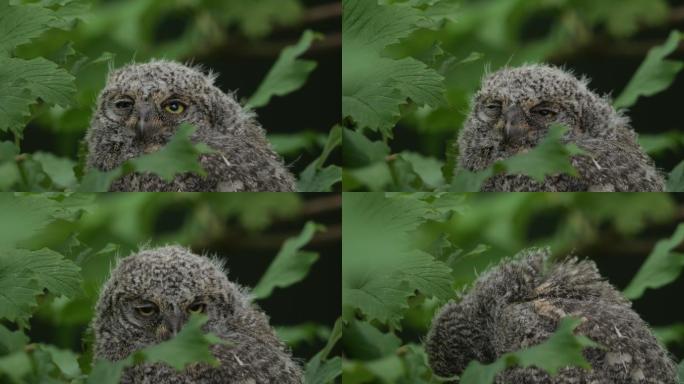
197,308
147,309
175,107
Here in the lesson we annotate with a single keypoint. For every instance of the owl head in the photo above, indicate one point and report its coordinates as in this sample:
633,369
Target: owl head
151,295
515,107
142,106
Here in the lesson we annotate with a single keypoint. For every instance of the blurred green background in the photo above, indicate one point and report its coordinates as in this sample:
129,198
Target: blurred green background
604,40
246,229
406,254
240,40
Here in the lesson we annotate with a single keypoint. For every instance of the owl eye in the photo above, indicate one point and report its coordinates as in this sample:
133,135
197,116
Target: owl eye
175,107
492,109
147,309
197,308
544,112
123,104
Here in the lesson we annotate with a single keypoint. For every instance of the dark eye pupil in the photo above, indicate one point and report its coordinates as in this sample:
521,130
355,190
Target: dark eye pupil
173,106
123,104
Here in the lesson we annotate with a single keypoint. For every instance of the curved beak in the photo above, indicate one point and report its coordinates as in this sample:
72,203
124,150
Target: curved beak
516,125
171,324
147,122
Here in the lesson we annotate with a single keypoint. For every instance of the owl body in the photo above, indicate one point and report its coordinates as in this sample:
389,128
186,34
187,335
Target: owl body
139,111
150,296
512,113
520,303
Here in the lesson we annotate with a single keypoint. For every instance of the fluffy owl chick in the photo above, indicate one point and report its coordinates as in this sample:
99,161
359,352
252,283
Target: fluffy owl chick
520,303
512,113
142,106
150,296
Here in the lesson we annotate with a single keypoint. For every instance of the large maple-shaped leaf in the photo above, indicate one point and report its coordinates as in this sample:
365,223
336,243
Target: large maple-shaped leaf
22,82
20,24
374,86
380,266
25,274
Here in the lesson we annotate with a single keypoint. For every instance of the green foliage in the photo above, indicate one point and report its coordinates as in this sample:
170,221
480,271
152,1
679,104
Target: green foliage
319,178
561,349
662,267
322,368
675,180
551,156
189,346
51,69
57,250
178,156
290,265
380,268
288,73
406,254
654,75
404,135
373,86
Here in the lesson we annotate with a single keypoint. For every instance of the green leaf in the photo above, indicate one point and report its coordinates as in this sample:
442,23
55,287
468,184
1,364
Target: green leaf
290,265
59,169
21,23
315,177
304,333
373,86
662,266
288,74
99,181
468,181
322,372
672,334
108,372
178,156
364,341
561,349
23,217
9,171
320,369
380,266
675,180
65,360
549,157
655,73
11,341
23,81
15,366
190,345
319,180
24,274
359,151
428,169
287,144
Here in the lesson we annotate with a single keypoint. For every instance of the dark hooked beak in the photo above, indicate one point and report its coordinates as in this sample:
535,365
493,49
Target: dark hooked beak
174,323
516,125
145,124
